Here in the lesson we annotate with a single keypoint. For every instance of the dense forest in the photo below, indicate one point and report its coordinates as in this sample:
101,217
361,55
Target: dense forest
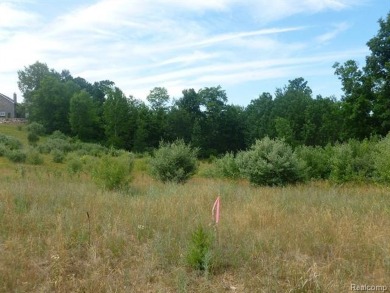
101,112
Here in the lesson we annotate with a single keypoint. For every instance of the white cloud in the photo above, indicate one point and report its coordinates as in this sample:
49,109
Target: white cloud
12,17
267,11
337,29
172,43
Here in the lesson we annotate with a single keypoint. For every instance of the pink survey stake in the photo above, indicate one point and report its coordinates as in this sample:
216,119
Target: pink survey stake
215,210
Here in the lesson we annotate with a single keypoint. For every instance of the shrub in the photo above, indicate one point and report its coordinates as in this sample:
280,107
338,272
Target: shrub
3,150
227,166
382,160
58,156
10,142
75,165
55,143
59,135
113,173
16,156
316,160
34,158
199,254
270,162
36,128
174,162
352,161
32,138
92,149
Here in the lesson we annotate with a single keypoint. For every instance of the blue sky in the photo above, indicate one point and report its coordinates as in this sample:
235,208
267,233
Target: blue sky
247,47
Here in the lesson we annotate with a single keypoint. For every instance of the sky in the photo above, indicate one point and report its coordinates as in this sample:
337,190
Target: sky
246,46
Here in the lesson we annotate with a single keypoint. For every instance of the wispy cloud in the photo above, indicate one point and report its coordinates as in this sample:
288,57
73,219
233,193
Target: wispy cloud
337,29
13,17
172,43
277,9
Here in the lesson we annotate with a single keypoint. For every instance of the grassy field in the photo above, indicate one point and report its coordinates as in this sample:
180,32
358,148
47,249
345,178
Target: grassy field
60,232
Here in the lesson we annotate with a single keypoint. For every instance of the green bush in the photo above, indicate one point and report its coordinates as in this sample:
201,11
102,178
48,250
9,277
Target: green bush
16,156
10,143
316,160
58,156
227,167
32,138
63,145
75,165
199,255
59,135
91,149
113,172
36,128
174,162
353,161
382,160
3,150
270,162
34,158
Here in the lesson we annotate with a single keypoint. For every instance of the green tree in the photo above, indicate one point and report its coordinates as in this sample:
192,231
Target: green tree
323,118
214,100
83,118
158,99
284,130
182,116
30,79
49,104
232,129
141,134
290,104
378,70
117,118
357,100
259,119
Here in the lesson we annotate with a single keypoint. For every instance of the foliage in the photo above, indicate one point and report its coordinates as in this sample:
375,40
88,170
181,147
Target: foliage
352,161
83,116
158,98
316,160
116,118
270,162
16,156
32,138
50,103
113,172
10,142
199,254
75,165
227,167
36,128
58,156
53,143
3,150
34,158
366,103
382,160
175,162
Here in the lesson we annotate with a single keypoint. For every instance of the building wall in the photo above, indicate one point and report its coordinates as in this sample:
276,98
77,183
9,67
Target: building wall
7,107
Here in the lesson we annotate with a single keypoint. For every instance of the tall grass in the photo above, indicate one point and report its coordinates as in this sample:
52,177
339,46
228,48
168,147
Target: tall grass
299,239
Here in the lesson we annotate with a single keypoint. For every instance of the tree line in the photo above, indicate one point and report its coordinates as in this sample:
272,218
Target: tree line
101,112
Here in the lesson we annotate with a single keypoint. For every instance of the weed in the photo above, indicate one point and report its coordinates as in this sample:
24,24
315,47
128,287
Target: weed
199,254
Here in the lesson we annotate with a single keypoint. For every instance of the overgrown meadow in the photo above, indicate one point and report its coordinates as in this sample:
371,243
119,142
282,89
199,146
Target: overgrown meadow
77,217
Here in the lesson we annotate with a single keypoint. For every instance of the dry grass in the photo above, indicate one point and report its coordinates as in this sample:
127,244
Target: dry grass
307,238
311,238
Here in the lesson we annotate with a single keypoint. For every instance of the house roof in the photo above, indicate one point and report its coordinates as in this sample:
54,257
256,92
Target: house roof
7,98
